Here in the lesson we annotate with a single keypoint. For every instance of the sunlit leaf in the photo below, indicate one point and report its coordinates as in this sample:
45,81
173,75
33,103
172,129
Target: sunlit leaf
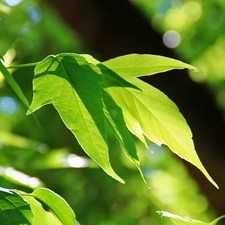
40,215
149,112
179,220
71,84
57,204
14,210
90,59
115,118
113,80
136,65
74,83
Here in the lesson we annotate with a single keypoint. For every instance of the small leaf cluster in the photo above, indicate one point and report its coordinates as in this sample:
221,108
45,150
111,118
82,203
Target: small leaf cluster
41,207
88,94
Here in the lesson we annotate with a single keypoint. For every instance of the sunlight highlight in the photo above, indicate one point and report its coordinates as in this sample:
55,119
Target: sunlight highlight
76,161
20,178
12,2
8,105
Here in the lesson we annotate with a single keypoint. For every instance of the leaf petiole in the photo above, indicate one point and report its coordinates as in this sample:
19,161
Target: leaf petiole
23,65
11,81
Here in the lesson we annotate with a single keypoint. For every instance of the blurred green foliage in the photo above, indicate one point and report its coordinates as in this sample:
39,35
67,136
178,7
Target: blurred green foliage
200,26
32,157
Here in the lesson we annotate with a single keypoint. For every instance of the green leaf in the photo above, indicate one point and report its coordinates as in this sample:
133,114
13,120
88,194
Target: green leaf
74,85
71,84
114,114
135,65
57,204
149,112
214,222
14,210
112,79
90,59
178,220
115,118
40,215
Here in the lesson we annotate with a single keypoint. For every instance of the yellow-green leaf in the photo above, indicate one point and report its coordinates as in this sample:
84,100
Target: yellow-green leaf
179,220
71,84
136,65
149,112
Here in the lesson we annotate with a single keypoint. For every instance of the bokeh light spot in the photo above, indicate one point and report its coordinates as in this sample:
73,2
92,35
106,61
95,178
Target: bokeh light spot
155,153
76,161
176,19
193,10
12,2
162,7
34,14
171,39
8,105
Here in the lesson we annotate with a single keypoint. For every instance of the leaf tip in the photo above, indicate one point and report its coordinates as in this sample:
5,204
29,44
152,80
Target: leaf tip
215,184
209,178
194,69
216,220
116,177
120,180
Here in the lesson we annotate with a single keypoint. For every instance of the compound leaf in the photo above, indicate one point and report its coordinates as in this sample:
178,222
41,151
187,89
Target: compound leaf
149,112
71,84
86,92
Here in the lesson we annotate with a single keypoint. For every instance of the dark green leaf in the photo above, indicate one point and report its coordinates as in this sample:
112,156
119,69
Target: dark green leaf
14,210
115,117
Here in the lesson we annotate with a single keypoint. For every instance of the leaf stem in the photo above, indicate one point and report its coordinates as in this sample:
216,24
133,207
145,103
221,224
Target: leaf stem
16,88
22,65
